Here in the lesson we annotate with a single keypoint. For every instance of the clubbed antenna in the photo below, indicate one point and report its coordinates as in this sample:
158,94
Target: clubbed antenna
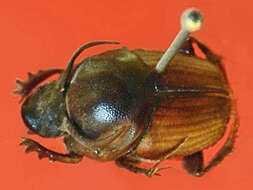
191,20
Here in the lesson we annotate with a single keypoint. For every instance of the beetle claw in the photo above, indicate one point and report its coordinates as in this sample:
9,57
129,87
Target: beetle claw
154,171
157,174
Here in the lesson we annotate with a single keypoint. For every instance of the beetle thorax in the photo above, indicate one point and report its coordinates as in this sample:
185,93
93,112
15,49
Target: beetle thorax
96,104
105,100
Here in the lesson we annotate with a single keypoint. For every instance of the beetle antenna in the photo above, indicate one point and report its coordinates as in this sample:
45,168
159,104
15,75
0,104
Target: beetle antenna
191,20
63,80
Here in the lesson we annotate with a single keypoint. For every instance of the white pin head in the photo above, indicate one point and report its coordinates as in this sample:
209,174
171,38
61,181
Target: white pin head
191,20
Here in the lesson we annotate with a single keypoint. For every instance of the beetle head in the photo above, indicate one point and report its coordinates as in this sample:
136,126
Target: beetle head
43,111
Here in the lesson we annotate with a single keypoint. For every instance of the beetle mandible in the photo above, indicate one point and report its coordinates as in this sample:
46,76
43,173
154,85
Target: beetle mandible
134,106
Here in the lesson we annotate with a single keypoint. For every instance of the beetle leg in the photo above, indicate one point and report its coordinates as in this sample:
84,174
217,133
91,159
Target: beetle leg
193,164
33,80
33,146
155,168
132,166
187,47
210,56
208,53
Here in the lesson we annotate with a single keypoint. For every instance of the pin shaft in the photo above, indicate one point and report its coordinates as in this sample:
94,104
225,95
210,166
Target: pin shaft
171,52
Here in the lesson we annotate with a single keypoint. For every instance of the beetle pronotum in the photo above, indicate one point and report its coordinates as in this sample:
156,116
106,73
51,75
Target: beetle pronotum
134,106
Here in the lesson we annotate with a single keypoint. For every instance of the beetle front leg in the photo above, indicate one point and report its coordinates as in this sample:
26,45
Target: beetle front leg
43,152
25,87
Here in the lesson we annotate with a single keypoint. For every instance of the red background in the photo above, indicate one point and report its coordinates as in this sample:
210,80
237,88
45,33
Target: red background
43,34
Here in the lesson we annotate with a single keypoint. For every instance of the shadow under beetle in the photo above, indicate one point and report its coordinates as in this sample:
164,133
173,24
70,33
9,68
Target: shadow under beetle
134,106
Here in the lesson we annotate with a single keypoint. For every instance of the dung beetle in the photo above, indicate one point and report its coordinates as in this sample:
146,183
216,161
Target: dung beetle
135,106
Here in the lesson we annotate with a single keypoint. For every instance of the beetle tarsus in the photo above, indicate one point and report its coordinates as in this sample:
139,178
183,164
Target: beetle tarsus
154,171
133,167
33,146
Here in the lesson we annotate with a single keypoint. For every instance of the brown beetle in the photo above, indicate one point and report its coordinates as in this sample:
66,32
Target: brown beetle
135,106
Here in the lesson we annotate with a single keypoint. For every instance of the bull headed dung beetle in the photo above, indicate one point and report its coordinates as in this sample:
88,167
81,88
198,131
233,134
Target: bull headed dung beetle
135,106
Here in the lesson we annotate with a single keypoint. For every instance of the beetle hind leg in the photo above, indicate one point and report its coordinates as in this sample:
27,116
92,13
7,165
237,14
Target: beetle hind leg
214,58
193,164
43,152
25,87
210,56
187,47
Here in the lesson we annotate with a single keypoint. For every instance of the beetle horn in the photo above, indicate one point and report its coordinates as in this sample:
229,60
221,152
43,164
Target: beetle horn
63,80
191,20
